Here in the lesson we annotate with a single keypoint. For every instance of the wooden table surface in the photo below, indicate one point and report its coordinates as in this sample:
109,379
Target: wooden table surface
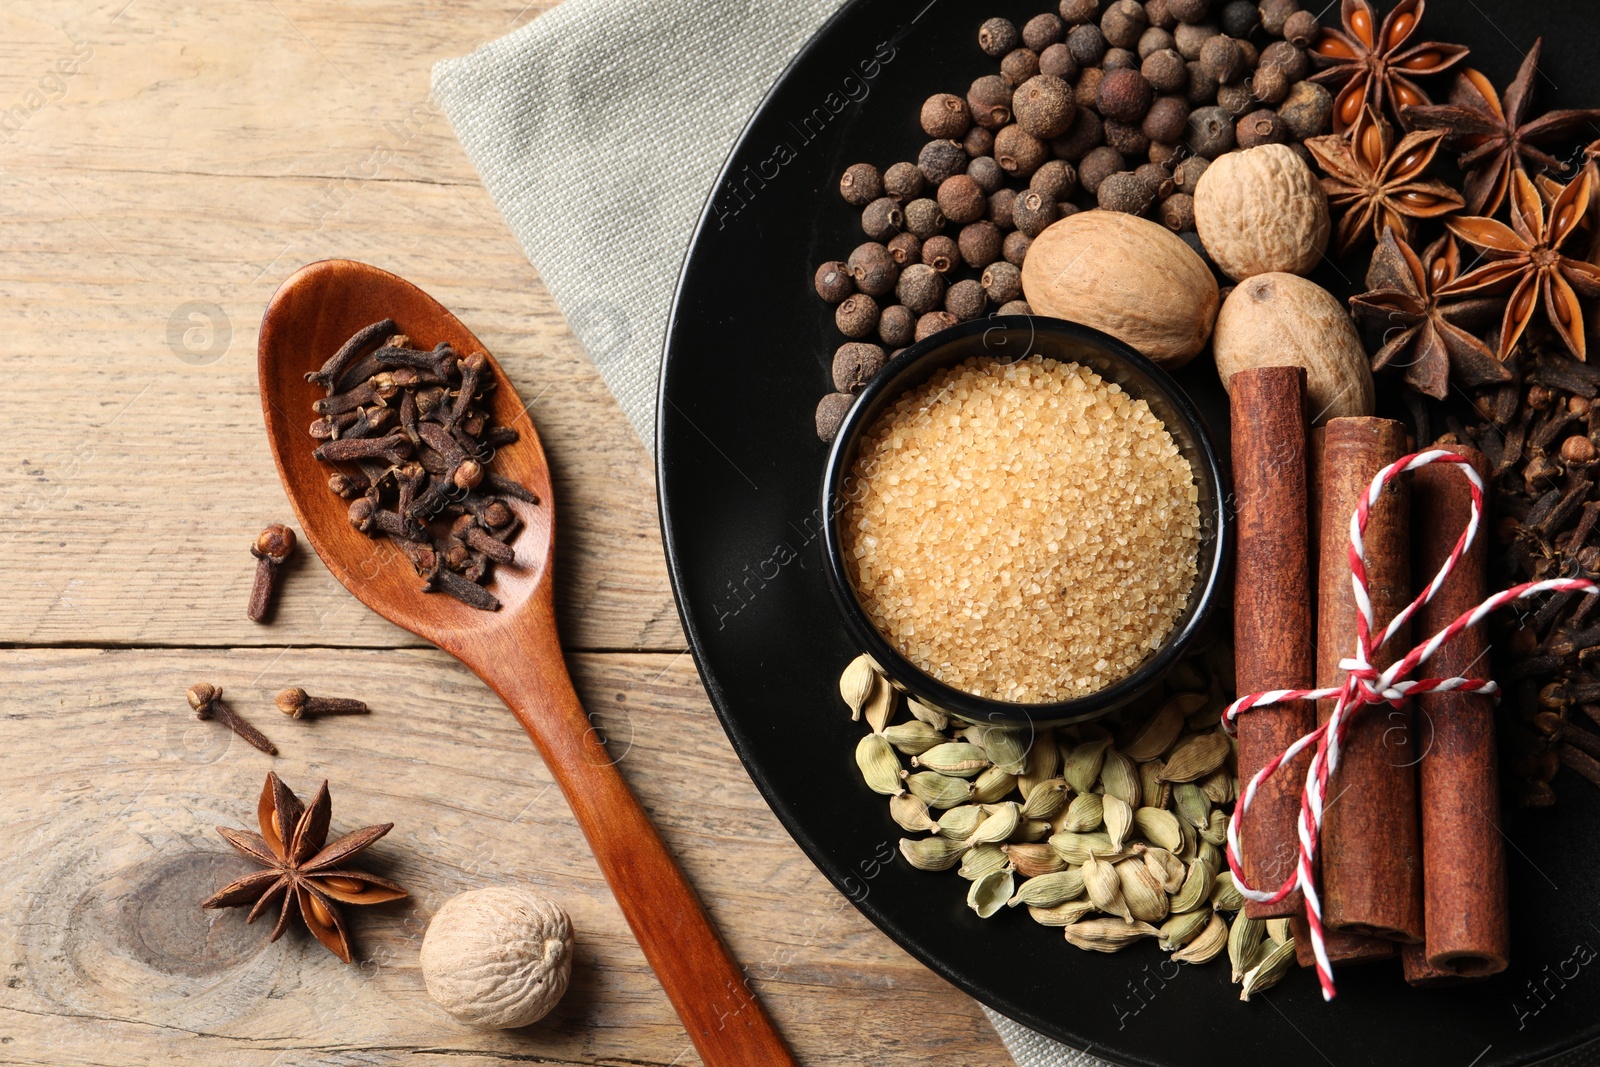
164,164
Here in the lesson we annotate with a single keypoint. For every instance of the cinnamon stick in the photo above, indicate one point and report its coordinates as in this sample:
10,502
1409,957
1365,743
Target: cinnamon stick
1463,854
1272,628
1343,946
1371,844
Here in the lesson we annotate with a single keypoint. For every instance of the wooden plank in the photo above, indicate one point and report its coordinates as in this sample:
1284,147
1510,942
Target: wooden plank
115,789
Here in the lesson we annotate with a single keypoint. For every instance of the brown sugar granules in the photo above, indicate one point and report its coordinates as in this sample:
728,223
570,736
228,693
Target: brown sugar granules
1022,531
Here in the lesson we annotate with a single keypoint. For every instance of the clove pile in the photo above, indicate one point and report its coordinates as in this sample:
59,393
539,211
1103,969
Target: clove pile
418,438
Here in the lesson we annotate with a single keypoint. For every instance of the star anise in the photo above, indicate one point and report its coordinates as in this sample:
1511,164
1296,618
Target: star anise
1378,183
1495,136
302,869
1433,342
1526,258
1373,64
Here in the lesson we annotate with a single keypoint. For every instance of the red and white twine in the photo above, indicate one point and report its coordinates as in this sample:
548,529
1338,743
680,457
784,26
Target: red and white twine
1365,685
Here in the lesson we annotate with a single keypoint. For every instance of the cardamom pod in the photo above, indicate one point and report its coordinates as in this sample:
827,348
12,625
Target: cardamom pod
1168,869
957,758
1082,766
980,860
1208,945
879,708
1119,819
1107,935
1192,804
857,683
1209,716
1246,943
1274,964
1044,764
1215,832
1032,830
1162,729
1155,792
1120,778
1191,839
1032,860
1006,749
1146,900
1044,799
1219,662
1196,889
1279,930
1003,821
913,738
1062,914
1220,786
1160,828
911,813
1085,813
1211,855
1195,757
938,790
1077,848
989,893
1186,675
880,767
931,853
1225,896
1104,886
1048,890
958,823
939,720
1179,930
993,786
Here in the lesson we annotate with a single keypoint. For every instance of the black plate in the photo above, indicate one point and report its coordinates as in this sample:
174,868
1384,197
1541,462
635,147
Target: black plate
739,468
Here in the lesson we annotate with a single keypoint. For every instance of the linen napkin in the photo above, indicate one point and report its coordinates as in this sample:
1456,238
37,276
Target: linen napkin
563,107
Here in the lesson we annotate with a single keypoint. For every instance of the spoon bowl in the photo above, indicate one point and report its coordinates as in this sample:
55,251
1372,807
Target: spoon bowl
515,649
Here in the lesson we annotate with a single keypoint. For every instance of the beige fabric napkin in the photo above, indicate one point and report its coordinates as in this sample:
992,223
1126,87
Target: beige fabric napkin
560,120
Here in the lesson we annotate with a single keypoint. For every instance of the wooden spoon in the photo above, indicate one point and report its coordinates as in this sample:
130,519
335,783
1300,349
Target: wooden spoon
515,650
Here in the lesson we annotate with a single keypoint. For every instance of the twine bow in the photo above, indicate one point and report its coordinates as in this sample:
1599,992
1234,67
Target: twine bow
1365,685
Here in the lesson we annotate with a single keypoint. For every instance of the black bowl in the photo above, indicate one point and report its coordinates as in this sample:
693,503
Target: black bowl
1012,338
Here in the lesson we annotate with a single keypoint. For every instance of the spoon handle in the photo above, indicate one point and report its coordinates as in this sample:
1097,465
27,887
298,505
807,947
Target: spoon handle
706,986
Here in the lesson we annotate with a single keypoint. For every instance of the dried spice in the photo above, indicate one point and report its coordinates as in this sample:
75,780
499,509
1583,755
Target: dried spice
1378,183
301,867
1372,65
272,547
206,700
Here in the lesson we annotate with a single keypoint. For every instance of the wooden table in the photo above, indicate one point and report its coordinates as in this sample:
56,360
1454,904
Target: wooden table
164,164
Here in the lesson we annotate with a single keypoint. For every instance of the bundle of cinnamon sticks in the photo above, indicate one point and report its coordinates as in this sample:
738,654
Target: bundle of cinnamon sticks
1412,862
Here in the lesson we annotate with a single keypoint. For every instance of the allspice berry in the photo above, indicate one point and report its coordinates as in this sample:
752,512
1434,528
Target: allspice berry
1124,96
831,411
1165,70
1019,152
1151,41
1099,165
1127,192
1016,247
1235,99
1159,14
1167,121
1120,59
897,326
1294,62
980,244
903,181
1077,12
873,268
940,159
921,288
1301,29
1087,45
1190,38
1123,23
1167,155
1015,307
860,184
905,248
1056,179
855,363
1057,61
989,100
882,218
1307,111
1275,15
1269,85
1259,128
1201,89
1210,132
1019,65
923,218
941,253
833,281
945,115
1240,18
961,200
1186,175
1086,90
1177,212
965,300
1043,106
986,173
1042,31
1002,282
1086,133
933,322
1000,205
1190,11
978,142
1126,138
1222,59
998,36
1033,212
1158,178
857,316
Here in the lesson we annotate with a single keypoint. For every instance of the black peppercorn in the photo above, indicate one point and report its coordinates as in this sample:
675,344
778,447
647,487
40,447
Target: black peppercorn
1087,45
921,288
1015,307
1016,247
1192,239
1240,18
873,268
1210,132
941,253
1000,205
1177,212
897,326
1097,166
903,181
980,244
932,323
997,37
965,300
940,159
1259,128
882,218
945,115
986,173
1075,12
1002,282
1056,179
924,218
1043,106
1058,62
1151,41
1189,39
1124,96
1167,120
1301,29
1222,59
861,184
1126,138
1294,62
830,414
1275,15
855,363
1019,152
1019,65
1186,175
1165,71
1189,10
989,99
833,281
905,248
1042,31
1125,191
1086,133
961,200
1033,212
978,142
857,316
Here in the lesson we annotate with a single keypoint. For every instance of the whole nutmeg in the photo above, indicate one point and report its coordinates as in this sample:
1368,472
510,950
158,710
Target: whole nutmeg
1127,192
1210,132
1177,212
498,957
1124,96
933,322
1275,15
1190,38
998,36
1167,121
941,253
1240,18
986,173
833,281
873,268
1186,175
855,363
940,159
945,115
1042,31
1126,138
924,218
1097,166
978,142
1034,211
921,288
903,181
961,200
860,184
905,248
1283,319
1307,111
1019,65
1222,59
857,316
1016,247
1076,12
980,244
831,411
1087,45
882,218
1259,128
1190,11
1000,205
1056,179
1262,211
1043,106
1002,282
1165,70
1057,61
897,326
1019,152
1301,29
989,100
1086,90
1294,62
1123,23
1151,41
965,300
1087,133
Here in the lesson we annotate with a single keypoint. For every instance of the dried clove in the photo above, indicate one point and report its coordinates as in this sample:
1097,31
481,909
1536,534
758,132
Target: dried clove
272,546
298,704
363,340
206,700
